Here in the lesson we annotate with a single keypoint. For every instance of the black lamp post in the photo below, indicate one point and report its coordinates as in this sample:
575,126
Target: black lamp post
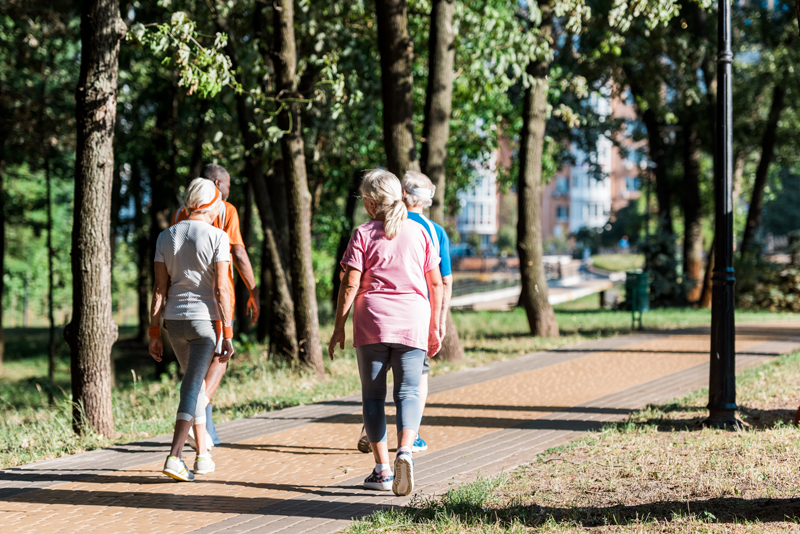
722,381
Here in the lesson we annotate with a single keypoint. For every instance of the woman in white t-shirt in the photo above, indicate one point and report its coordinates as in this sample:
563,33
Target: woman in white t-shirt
192,294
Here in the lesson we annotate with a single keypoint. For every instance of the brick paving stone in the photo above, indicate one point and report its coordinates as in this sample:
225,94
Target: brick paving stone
296,469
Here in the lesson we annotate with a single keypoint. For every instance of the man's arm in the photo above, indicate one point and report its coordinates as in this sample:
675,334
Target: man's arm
242,262
447,282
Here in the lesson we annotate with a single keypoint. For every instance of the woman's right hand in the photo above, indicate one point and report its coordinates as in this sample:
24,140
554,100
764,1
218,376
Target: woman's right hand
226,351
156,348
434,342
337,337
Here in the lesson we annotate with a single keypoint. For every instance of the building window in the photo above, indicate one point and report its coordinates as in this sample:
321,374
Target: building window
596,210
562,185
562,213
632,183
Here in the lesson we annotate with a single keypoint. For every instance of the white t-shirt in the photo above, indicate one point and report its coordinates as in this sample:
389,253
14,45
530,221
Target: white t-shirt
189,250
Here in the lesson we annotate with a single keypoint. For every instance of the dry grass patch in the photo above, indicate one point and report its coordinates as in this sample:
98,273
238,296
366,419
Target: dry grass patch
660,471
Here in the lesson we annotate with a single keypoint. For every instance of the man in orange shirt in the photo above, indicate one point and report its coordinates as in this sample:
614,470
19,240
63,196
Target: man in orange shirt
228,220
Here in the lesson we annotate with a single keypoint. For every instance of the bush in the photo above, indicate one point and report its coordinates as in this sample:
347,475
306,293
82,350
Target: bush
765,285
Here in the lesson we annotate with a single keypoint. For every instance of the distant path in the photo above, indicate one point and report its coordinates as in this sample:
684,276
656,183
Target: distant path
558,292
297,470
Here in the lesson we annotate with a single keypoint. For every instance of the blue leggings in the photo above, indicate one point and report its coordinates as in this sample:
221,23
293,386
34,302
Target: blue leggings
373,366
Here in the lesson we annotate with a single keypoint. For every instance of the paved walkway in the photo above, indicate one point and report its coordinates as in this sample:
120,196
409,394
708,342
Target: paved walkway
297,470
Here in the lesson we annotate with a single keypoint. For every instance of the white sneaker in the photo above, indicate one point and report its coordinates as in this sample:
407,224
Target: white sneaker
193,442
403,474
176,468
204,464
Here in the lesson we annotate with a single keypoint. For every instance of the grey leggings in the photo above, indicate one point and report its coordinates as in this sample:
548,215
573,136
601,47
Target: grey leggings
373,366
193,342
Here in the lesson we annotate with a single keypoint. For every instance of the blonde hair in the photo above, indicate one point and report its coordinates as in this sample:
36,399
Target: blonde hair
416,186
201,192
384,188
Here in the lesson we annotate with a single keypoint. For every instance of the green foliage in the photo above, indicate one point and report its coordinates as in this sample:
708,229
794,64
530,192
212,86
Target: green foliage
201,69
764,285
660,261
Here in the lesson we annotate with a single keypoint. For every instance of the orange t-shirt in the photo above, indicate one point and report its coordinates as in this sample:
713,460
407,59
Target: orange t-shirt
228,221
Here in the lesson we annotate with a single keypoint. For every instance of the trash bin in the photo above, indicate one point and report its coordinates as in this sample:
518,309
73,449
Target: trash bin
637,294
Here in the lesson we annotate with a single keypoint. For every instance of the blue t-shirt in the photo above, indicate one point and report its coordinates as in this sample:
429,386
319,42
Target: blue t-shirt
439,238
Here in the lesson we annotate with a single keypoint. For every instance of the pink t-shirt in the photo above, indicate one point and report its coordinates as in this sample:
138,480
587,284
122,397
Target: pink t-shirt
392,304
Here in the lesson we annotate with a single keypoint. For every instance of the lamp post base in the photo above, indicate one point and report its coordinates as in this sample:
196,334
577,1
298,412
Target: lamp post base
724,420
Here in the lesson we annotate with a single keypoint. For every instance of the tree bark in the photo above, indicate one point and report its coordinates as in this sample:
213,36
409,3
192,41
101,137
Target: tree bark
196,163
143,255
541,318
436,131
277,306
92,331
51,342
397,50
762,171
692,214
347,230
298,197
2,243
438,102
242,292
657,151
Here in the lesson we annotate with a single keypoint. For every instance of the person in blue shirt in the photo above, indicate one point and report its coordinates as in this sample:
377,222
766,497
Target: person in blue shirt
418,194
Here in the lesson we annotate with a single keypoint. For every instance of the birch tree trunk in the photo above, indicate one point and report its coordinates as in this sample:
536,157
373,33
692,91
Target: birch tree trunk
541,318
92,331
297,194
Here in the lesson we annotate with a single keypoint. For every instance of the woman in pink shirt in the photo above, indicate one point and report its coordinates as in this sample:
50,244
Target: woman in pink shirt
390,268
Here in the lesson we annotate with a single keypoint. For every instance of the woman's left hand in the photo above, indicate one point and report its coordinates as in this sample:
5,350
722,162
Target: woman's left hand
337,337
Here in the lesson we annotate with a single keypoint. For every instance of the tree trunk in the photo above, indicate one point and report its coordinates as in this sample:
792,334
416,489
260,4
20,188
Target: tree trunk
277,305
438,102
196,163
762,171
347,230
2,246
92,331
397,50
142,254
738,171
705,298
298,197
51,343
436,131
692,214
541,317
242,292
267,289
657,151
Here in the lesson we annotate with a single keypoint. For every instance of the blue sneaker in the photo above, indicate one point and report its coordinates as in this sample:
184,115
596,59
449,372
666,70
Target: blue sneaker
377,482
210,428
419,445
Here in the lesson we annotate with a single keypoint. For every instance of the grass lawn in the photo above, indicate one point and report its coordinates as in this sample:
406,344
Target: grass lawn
32,429
657,472
618,262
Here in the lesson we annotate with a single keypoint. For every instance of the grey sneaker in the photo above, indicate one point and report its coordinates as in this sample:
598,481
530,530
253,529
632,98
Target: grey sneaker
193,442
176,468
204,465
403,474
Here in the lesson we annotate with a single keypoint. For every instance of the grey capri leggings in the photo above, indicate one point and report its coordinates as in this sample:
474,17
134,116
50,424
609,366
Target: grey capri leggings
194,342
406,363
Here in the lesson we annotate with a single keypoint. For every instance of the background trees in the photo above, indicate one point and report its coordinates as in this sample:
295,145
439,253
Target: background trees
308,94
